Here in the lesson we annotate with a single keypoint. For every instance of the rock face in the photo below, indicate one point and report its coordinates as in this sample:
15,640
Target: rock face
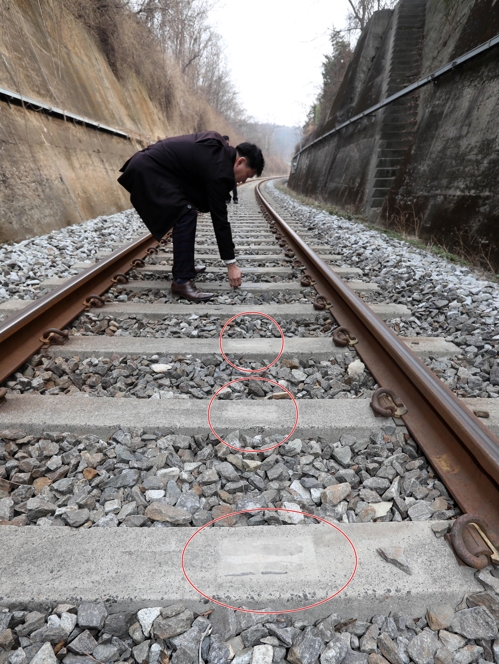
91,90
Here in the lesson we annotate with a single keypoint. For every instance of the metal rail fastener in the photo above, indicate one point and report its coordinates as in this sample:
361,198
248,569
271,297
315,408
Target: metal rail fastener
21,334
462,450
40,106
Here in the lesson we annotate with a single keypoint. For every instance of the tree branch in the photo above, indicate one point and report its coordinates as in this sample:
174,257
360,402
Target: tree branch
356,13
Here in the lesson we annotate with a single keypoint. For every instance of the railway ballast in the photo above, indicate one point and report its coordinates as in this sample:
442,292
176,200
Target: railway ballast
107,457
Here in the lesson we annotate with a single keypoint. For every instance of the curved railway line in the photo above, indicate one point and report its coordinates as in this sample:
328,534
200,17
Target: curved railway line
140,452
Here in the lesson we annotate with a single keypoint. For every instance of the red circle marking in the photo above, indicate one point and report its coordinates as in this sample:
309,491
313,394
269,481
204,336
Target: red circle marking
271,509
252,313
263,449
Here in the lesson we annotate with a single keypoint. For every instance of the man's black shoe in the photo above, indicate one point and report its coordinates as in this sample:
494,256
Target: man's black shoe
200,268
190,292
236,200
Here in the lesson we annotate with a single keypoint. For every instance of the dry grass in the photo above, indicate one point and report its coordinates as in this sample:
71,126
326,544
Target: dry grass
129,47
408,228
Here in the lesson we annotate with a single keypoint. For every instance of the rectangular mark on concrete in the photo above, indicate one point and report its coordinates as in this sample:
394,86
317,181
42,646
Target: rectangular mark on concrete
257,557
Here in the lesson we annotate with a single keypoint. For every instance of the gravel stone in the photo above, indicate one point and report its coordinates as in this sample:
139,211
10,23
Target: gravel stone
33,621
91,615
76,518
6,509
164,512
332,495
252,635
118,624
395,556
187,644
243,657
45,655
336,649
306,648
423,647
219,652
147,617
7,639
451,641
440,617
389,649
84,644
262,654
291,517
167,628
141,652
475,623
106,652
38,508
488,581
420,511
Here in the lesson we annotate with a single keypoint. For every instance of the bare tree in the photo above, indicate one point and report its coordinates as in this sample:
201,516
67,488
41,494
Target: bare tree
361,11
183,29
334,67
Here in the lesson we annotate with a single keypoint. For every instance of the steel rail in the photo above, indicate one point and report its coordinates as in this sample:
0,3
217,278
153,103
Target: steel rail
462,451
20,334
10,95
433,77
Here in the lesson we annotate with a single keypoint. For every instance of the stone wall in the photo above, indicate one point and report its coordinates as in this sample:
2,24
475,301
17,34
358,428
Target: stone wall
337,168
446,186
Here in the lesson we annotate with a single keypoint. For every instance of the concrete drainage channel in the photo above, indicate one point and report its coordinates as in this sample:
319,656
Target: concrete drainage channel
107,437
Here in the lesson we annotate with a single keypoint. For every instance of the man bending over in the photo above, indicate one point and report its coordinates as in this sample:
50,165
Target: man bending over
170,181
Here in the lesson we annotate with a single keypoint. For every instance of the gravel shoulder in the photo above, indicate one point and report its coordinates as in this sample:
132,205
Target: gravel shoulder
445,299
137,479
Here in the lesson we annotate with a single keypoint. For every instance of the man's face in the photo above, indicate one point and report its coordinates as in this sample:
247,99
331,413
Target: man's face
242,171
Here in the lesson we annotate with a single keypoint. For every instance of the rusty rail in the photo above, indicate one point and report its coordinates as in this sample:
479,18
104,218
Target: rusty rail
23,334
463,452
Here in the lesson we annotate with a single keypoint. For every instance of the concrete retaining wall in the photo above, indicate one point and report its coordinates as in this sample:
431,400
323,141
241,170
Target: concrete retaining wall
338,167
447,183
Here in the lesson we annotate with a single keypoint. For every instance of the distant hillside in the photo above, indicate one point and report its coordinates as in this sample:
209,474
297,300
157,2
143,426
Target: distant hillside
276,140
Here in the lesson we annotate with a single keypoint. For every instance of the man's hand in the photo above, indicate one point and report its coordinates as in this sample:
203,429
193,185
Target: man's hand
235,275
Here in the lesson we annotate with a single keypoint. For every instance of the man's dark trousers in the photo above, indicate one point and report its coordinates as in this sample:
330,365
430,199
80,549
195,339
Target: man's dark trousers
184,238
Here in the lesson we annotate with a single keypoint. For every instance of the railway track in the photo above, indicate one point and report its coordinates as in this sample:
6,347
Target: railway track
110,389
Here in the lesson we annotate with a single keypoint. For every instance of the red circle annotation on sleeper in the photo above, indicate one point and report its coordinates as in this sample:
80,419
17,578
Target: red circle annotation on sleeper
251,313
262,449
271,509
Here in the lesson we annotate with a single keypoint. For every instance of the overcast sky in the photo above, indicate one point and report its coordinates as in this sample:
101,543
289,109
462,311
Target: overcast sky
275,50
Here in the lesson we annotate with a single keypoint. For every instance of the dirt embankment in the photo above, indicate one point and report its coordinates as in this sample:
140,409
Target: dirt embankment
54,172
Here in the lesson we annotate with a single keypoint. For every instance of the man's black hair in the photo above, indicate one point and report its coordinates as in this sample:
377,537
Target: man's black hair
254,156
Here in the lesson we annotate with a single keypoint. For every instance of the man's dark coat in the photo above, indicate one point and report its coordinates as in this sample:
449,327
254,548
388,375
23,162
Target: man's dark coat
169,178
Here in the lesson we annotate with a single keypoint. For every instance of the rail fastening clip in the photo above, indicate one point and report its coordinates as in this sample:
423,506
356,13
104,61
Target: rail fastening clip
342,337
54,336
473,541
385,403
